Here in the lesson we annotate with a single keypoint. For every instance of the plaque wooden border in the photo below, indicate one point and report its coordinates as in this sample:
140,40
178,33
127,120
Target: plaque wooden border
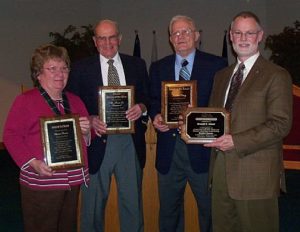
48,146
193,140
166,85
103,91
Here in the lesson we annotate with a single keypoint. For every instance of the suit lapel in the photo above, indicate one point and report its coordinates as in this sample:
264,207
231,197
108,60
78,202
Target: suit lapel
96,69
223,85
198,66
255,72
170,70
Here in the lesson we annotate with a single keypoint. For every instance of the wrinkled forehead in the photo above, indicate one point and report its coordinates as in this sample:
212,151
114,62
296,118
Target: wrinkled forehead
182,24
245,24
106,28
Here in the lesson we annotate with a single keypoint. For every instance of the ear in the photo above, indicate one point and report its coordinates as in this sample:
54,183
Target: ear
95,41
170,39
197,36
260,36
230,34
120,39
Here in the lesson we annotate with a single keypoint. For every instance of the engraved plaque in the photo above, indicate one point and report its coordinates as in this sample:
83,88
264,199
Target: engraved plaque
114,101
176,97
204,125
61,136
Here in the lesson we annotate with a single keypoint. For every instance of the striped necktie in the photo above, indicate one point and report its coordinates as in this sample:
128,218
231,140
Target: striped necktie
234,87
184,74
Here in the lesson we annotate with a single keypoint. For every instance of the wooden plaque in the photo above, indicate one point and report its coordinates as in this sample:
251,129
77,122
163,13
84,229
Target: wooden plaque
62,141
114,101
176,97
204,125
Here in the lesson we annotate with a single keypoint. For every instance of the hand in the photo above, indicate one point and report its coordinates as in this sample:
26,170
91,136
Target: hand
223,143
41,168
85,125
134,112
159,124
180,118
180,123
97,125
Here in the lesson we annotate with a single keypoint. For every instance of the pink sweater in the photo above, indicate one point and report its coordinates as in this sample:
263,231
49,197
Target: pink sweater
22,138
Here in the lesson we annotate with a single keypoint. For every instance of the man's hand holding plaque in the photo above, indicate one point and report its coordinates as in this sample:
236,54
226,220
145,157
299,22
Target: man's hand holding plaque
176,97
204,125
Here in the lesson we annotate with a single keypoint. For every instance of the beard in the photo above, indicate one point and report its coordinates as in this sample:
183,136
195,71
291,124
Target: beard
245,49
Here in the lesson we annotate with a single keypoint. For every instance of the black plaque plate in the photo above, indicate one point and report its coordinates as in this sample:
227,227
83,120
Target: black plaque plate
114,101
62,139
176,97
204,125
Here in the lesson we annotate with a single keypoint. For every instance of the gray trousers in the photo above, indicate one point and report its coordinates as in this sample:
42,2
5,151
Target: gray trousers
171,193
121,160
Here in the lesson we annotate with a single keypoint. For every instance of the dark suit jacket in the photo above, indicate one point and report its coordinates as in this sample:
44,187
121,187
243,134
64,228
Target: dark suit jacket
204,68
85,79
261,116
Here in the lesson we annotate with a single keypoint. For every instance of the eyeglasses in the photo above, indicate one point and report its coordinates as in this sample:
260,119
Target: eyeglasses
112,38
184,32
54,69
247,34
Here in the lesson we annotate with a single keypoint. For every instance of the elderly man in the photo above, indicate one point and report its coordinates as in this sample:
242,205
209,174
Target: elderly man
120,154
178,163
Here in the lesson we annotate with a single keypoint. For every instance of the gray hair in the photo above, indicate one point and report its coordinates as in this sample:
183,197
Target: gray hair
184,18
247,14
107,21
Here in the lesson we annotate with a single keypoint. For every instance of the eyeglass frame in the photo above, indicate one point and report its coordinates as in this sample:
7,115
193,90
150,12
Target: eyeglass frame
248,34
185,32
111,38
54,69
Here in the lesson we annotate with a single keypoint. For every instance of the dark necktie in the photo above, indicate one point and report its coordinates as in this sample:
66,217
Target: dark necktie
234,87
184,74
112,76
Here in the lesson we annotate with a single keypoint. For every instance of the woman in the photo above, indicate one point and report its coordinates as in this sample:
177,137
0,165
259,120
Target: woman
49,198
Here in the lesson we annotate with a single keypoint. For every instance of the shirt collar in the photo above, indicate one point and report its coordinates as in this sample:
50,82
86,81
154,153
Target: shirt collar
116,59
189,58
249,62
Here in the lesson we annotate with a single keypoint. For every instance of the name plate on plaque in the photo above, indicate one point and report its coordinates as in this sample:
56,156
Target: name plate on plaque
176,97
61,136
114,101
204,125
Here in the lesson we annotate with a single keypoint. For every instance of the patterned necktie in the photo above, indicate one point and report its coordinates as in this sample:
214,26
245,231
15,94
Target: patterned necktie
234,87
184,74
112,77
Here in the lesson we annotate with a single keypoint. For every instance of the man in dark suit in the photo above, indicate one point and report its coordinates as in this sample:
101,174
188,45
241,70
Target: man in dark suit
247,165
176,162
120,154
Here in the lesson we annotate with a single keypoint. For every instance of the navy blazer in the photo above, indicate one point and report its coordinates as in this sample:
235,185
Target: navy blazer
204,68
85,79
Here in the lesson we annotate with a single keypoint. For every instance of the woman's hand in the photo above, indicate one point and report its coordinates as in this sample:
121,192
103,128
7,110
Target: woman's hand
85,125
41,168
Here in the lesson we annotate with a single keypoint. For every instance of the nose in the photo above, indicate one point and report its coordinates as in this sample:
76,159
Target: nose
243,36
